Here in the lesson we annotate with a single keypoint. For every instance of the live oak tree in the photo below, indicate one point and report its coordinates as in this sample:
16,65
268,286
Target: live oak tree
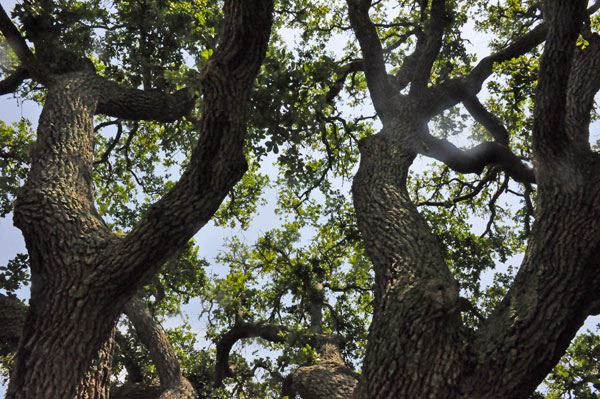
401,257
82,272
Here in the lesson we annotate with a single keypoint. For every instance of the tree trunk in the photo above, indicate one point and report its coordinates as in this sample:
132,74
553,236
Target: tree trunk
66,240
416,341
418,346
81,273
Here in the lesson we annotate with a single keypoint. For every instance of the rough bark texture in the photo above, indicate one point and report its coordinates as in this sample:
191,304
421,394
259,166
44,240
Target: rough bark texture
418,346
172,383
82,273
331,378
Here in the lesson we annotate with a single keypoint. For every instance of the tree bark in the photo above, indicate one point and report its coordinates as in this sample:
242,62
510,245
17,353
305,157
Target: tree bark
82,273
418,346
331,378
172,383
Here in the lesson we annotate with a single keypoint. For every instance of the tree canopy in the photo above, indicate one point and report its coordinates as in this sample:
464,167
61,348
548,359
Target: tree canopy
432,201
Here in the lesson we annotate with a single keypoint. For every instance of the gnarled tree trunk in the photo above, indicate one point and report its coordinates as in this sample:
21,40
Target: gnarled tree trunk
418,346
82,273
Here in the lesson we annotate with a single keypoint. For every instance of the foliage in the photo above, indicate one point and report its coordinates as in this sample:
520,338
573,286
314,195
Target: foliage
577,375
15,141
15,274
309,110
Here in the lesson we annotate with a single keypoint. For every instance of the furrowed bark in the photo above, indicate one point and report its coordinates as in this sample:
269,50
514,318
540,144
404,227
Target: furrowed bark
330,378
83,274
416,341
556,286
417,344
172,383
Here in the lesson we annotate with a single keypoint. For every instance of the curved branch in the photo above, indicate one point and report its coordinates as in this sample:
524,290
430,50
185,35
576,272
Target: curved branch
241,330
163,356
13,81
519,46
476,158
104,157
486,119
489,176
377,78
453,91
337,86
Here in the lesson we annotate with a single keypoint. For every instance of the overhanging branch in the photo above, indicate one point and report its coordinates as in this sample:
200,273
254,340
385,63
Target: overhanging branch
241,330
18,44
475,159
13,81
486,118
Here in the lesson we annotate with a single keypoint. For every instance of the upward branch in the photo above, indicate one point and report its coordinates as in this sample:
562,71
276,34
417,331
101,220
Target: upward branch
428,46
18,44
382,92
160,349
217,161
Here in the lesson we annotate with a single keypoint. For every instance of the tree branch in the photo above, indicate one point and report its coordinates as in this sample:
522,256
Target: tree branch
428,47
519,46
377,78
489,176
337,86
13,81
163,356
453,91
14,39
216,163
19,46
476,158
550,138
584,83
241,330
135,104
486,119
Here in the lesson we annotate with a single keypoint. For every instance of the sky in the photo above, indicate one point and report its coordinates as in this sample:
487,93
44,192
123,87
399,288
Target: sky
210,238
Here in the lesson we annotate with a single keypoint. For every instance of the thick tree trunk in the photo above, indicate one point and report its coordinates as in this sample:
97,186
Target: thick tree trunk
331,378
83,274
418,347
65,239
416,341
